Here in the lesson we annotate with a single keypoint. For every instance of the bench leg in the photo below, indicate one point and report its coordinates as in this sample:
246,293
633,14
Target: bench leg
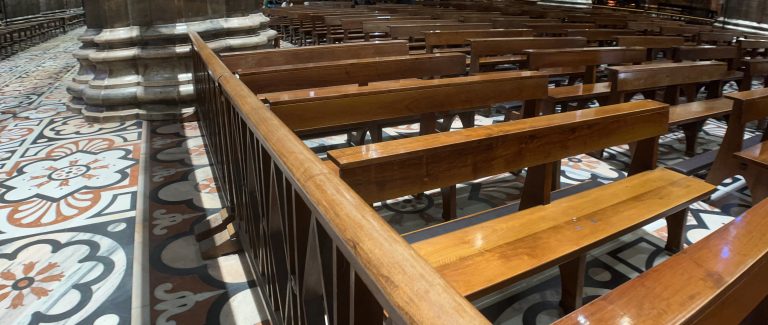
676,231
572,283
467,119
691,131
757,181
428,124
449,202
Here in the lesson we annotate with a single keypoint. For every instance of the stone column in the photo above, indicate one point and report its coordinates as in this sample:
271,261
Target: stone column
135,58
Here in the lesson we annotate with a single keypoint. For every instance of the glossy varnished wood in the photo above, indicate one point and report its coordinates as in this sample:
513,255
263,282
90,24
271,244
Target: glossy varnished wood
323,109
417,30
488,256
301,76
312,54
461,37
718,280
756,155
395,168
657,75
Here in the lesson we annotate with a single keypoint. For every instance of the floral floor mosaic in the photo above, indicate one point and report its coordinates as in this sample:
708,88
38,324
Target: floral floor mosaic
96,220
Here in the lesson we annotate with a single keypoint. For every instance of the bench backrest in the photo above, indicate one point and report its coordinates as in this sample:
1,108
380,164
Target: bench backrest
335,20
322,110
461,37
596,35
480,18
357,23
345,72
728,54
748,106
651,42
417,30
556,28
312,54
589,57
518,23
517,45
748,47
717,38
395,168
679,30
626,80
383,26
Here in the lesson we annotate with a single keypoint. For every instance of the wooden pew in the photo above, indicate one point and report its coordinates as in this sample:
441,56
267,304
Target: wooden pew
237,61
495,51
519,23
436,40
352,28
380,29
718,280
600,36
310,112
653,43
732,159
672,77
754,61
556,29
590,58
414,33
358,71
518,245
717,38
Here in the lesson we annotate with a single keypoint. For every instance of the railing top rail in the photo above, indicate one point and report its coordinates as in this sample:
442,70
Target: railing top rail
409,289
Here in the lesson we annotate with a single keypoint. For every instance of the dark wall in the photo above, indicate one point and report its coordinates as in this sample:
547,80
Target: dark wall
750,10
21,8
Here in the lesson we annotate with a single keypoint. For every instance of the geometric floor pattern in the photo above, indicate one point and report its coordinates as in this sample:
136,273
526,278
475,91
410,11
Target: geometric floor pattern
96,219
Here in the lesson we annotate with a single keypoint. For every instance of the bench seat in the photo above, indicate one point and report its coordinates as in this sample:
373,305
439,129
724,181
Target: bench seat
480,259
575,92
756,155
699,110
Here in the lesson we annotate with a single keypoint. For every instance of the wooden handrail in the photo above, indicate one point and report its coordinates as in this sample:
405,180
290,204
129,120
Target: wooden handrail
406,287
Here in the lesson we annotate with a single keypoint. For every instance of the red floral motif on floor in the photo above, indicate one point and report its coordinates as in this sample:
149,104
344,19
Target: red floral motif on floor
19,285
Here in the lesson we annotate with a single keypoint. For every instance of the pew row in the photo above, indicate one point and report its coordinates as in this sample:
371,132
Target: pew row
521,244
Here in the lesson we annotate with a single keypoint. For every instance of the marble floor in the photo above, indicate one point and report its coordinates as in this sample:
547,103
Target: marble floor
96,219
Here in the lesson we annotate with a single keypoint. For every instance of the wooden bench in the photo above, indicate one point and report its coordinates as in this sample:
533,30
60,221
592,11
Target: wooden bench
718,280
358,71
328,110
414,33
352,28
590,59
654,44
519,23
515,246
672,77
556,29
600,36
457,40
237,61
732,158
380,29
717,38
497,51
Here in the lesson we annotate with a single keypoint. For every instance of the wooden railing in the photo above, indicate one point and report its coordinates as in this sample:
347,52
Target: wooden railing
321,254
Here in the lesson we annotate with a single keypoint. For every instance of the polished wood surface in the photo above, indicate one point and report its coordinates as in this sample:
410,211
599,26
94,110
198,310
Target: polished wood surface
240,61
302,76
699,110
461,37
756,155
489,256
395,168
339,107
595,35
718,280
519,22
646,76
485,47
334,235
418,30
650,41
383,26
